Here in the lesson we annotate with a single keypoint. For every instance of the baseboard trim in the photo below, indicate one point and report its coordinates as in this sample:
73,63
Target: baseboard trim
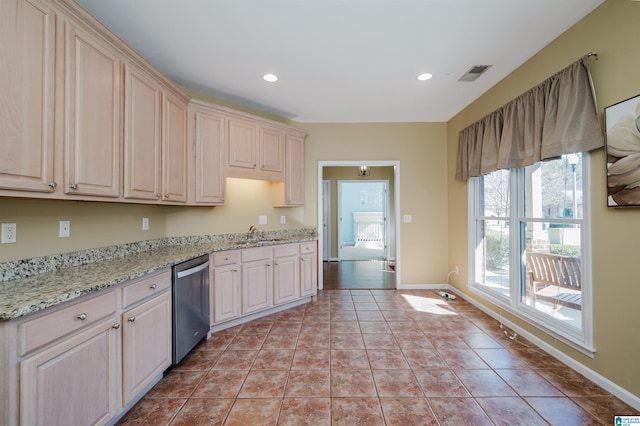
592,375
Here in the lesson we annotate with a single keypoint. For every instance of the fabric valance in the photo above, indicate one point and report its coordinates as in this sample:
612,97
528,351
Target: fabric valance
556,117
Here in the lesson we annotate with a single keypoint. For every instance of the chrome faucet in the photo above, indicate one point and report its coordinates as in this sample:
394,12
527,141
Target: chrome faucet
251,233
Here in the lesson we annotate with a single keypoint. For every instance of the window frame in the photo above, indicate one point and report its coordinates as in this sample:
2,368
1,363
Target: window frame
582,339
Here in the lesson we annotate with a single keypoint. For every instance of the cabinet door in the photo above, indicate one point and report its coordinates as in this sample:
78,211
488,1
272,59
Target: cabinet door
146,344
74,382
174,149
27,54
142,142
92,110
291,192
271,150
210,139
308,269
286,279
226,293
243,146
256,286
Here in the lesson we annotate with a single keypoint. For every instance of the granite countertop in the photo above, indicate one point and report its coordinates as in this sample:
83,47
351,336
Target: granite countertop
28,294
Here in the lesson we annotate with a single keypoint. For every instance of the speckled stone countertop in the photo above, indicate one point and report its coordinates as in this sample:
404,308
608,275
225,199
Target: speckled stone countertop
34,284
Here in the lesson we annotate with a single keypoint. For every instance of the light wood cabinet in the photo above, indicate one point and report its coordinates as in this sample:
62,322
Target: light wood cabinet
142,135
257,279
256,150
226,286
146,344
27,59
174,148
291,192
92,114
271,150
68,369
308,268
208,142
286,273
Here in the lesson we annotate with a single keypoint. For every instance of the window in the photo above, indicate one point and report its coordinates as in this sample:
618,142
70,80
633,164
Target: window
529,243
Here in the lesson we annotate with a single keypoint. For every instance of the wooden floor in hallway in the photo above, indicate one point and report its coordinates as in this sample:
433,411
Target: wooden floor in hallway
358,274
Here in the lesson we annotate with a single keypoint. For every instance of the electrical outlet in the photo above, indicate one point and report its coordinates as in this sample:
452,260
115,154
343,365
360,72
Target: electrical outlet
9,231
283,220
65,229
145,223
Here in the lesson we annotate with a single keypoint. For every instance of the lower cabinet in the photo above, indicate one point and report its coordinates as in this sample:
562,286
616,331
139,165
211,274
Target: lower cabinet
83,363
308,268
257,279
225,280
146,344
72,382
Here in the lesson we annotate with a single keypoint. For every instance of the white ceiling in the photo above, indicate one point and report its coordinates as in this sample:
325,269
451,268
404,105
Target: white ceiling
340,60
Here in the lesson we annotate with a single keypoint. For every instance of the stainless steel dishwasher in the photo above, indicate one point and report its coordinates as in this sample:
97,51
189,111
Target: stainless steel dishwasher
191,317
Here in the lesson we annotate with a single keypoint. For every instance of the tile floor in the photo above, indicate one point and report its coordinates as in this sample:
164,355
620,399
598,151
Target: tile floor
373,357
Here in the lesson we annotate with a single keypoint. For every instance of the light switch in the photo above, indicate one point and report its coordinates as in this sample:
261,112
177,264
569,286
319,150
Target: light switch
408,218
262,220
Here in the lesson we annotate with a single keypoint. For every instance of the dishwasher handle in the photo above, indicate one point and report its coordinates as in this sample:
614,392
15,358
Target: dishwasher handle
193,270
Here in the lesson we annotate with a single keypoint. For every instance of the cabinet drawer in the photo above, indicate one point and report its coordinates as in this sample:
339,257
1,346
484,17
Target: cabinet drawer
146,287
48,328
309,247
257,253
285,250
225,258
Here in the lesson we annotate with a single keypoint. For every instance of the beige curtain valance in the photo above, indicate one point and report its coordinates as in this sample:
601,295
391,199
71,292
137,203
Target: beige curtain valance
554,118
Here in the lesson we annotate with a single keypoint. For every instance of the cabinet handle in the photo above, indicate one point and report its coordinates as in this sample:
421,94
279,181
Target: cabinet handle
73,186
82,316
132,319
52,184
116,326
153,287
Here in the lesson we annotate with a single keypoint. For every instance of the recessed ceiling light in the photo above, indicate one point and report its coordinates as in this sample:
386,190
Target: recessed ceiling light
425,76
271,78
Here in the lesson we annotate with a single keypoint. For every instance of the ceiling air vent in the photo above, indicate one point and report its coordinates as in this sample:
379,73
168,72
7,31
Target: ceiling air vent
474,72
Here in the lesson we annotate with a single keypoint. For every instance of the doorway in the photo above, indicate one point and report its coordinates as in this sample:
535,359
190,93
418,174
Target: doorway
328,216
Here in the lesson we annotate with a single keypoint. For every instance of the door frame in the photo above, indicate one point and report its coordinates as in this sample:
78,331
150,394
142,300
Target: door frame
396,203
326,220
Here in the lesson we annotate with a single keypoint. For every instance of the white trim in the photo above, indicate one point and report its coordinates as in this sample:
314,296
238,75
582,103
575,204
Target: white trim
396,202
590,374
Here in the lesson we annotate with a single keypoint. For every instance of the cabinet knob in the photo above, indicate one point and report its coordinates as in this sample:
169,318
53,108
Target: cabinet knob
73,186
52,184
166,195
158,195
82,316
132,319
153,287
116,326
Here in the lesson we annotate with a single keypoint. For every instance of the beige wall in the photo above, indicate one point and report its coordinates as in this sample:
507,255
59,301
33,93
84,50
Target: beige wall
612,31
92,225
334,174
420,148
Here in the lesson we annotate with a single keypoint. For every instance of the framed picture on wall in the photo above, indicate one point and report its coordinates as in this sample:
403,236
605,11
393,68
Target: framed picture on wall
622,126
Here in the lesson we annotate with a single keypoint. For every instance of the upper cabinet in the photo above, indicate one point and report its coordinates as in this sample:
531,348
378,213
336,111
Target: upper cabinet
84,117
256,150
290,193
174,148
142,135
208,136
27,59
92,114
